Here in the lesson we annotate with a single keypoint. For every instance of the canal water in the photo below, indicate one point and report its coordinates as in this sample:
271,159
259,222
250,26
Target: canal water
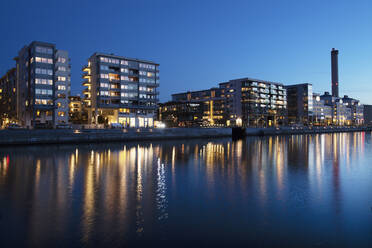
283,191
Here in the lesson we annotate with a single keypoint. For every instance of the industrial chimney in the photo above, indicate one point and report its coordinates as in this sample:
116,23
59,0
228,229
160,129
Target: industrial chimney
334,62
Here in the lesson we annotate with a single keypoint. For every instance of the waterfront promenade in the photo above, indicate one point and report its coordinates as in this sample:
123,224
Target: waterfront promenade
65,136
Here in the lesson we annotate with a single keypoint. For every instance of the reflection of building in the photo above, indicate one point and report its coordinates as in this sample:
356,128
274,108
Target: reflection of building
121,90
8,97
245,101
300,103
43,85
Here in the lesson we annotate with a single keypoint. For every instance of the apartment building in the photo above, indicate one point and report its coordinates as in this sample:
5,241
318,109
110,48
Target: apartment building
322,113
300,103
8,97
120,90
181,114
254,102
212,104
43,83
245,101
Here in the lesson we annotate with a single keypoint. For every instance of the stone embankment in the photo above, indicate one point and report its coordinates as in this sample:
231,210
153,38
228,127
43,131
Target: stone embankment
62,136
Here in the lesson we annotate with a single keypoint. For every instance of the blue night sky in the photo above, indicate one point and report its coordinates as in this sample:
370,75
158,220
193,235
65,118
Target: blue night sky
201,43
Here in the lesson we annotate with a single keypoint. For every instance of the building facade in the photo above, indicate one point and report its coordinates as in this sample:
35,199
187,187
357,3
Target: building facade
121,90
367,113
300,103
77,111
241,102
211,103
345,111
43,83
181,114
8,98
322,113
254,102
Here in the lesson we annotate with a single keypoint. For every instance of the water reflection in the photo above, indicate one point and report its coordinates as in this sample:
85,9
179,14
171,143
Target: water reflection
118,193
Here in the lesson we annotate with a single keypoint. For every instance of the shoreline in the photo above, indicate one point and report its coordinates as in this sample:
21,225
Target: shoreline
76,136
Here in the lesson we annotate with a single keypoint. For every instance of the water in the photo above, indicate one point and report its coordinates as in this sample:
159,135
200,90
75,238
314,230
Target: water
299,191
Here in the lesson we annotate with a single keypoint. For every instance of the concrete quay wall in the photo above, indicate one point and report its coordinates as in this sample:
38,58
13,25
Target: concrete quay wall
302,130
29,137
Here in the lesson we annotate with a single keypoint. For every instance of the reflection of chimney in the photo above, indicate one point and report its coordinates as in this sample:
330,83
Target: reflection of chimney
334,62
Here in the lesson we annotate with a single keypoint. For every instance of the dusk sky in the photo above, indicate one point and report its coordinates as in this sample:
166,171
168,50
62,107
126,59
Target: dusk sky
201,43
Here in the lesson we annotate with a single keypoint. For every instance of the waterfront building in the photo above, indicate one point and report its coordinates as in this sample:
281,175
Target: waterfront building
300,103
356,109
121,90
254,102
367,114
8,97
242,102
341,113
210,103
43,85
77,110
181,114
322,113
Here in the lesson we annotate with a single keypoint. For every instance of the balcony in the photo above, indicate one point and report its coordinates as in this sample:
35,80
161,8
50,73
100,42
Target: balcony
86,83
86,75
85,68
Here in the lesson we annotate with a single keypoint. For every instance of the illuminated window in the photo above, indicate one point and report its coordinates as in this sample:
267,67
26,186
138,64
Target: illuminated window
61,113
60,78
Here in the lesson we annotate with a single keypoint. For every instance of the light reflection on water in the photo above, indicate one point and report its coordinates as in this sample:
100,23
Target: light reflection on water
304,189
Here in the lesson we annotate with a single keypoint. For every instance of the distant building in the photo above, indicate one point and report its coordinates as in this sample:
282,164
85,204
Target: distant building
43,83
181,114
345,111
77,111
300,103
356,109
211,103
121,90
322,113
255,102
367,111
8,97
245,101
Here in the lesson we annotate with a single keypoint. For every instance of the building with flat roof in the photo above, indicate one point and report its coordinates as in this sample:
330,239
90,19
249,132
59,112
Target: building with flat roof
322,113
255,102
244,101
43,85
300,103
367,113
8,97
121,90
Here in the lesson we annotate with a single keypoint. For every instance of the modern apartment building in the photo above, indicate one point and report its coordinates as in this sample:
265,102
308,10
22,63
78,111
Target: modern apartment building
43,83
77,110
356,109
121,90
8,97
212,104
322,113
367,113
300,103
255,102
245,101
181,114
